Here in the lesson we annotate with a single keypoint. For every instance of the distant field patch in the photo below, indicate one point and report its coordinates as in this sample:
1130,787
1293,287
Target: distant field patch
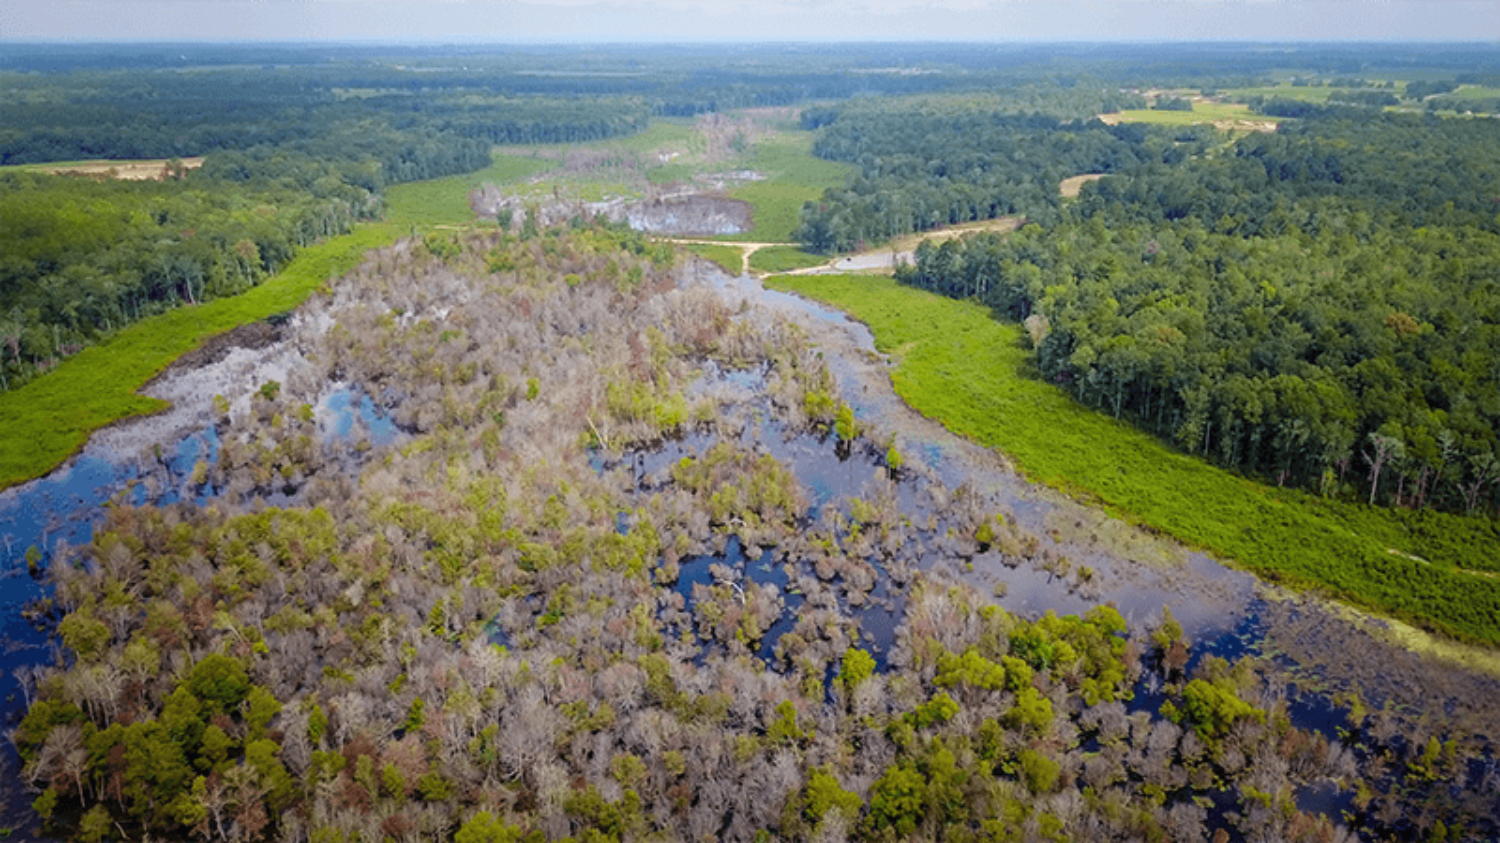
1474,92
794,176
663,132
1226,116
1071,185
1283,91
446,201
158,169
753,154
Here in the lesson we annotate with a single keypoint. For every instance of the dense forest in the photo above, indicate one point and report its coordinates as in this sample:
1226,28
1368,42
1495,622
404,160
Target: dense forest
499,626
925,164
1315,306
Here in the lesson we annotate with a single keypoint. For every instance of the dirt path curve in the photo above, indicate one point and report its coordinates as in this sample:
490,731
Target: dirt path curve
746,249
884,259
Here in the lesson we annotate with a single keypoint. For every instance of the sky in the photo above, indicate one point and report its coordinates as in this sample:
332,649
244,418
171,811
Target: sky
552,21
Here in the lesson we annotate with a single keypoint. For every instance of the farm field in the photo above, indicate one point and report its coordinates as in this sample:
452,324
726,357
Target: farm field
1231,117
157,169
1474,92
1285,90
957,364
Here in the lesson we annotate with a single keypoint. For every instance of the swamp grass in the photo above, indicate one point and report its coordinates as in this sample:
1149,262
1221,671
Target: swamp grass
50,418
445,201
794,176
958,365
731,259
1203,112
783,259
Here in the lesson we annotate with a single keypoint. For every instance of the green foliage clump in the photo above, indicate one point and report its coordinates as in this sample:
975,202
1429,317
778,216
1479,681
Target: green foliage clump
856,667
1212,708
824,794
484,827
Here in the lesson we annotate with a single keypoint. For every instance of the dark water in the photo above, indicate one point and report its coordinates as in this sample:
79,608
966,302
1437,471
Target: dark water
39,518
348,405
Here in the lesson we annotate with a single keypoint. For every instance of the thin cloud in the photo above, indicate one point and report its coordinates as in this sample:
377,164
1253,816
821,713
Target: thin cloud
741,20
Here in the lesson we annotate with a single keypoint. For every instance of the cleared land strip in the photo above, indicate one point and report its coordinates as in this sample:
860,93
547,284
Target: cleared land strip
158,169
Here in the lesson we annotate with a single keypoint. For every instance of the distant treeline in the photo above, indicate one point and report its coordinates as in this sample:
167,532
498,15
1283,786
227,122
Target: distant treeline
290,159
1317,307
944,161
124,115
81,257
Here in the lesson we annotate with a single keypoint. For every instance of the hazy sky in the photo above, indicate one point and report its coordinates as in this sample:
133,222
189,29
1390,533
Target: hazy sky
741,20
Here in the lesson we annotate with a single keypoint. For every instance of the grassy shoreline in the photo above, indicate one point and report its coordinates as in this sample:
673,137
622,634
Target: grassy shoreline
49,419
959,366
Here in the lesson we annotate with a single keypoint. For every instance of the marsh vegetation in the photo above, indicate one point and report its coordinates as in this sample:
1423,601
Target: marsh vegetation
593,589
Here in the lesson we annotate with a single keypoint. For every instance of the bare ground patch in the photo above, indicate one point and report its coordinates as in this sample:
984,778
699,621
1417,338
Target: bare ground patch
154,170
1072,185
903,249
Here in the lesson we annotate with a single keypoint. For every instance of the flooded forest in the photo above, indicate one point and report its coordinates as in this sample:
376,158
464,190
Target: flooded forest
570,536
560,531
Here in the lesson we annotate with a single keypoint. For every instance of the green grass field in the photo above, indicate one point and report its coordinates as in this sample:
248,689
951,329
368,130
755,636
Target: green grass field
793,176
959,366
729,258
1474,92
663,132
49,419
783,259
446,201
1286,91
1203,112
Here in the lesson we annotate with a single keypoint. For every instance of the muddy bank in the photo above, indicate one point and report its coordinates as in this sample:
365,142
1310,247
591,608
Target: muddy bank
1207,598
232,366
1134,570
255,335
